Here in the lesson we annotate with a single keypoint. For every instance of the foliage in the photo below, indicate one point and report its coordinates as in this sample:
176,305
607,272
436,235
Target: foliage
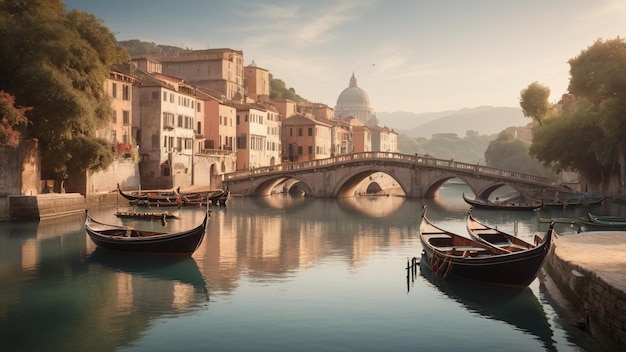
589,138
469,149
534,101
279,89
510,153
11,117
573,141
57,62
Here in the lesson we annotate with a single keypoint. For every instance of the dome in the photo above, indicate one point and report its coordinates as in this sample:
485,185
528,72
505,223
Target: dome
353,101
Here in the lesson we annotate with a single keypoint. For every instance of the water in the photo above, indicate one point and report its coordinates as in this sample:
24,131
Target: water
272,274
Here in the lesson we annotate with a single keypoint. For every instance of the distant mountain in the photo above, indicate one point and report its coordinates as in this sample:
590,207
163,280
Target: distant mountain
486,120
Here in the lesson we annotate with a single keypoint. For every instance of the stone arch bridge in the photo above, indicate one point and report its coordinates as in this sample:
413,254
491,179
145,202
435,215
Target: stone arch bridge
418,176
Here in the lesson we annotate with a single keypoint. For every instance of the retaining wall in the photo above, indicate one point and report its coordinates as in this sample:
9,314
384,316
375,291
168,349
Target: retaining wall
601,305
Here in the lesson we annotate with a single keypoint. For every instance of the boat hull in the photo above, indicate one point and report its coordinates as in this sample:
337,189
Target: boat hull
115,238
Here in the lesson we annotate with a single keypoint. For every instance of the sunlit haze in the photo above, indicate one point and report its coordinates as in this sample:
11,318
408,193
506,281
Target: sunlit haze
416,56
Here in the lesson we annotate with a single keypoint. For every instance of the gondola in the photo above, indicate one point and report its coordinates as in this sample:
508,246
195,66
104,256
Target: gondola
576,199
220,197
150,196
127,239
504,205
450,254
145,215
605,219
491,235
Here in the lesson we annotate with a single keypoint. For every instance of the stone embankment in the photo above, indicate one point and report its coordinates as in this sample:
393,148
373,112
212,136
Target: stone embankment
44,206
590,269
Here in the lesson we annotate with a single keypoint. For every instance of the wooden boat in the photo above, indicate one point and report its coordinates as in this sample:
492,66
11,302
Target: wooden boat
150,196
491,235
126,239
575,199
503,205
145,215
220,198
605,218
603,225
450,254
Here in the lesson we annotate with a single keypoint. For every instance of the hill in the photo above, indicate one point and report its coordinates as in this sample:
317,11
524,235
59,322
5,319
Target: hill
486,120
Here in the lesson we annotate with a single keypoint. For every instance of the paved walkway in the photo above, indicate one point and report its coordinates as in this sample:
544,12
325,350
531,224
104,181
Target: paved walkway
601,252
593,265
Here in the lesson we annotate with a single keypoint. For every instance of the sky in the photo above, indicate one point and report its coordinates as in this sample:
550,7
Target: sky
415,56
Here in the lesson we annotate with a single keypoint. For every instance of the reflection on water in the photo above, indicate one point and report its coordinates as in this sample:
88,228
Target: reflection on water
519,308
280,267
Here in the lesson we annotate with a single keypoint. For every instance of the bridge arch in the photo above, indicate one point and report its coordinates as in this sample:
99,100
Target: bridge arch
417,176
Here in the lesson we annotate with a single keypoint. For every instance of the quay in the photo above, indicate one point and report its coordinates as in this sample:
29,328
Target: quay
590,269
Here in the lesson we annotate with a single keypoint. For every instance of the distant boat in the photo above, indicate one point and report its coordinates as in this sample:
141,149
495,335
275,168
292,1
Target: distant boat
502,205
450,254
127,239
574,199
146,215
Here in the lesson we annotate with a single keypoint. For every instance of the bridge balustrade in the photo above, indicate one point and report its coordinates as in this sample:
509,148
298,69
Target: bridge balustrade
413,159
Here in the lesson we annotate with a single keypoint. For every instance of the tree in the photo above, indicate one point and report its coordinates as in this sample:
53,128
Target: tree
509,153
589,138
57,62
573,141
11,117
534,101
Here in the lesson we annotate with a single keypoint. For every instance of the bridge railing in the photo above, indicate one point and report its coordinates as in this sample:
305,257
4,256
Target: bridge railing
424,160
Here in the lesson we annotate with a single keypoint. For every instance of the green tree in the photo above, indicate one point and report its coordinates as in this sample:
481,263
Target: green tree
573,141
534,101
589,138
57,62
11,117
510,153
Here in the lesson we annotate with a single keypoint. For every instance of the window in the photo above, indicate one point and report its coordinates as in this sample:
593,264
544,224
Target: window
299,150
164,96
114,90
114,116
199,106
126,117
310,150
310,131
300,131
126,93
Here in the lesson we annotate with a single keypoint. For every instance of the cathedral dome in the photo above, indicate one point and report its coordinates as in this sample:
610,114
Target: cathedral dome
353,101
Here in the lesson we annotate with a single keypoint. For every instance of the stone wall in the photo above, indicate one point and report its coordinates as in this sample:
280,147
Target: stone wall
19,171
46,206
122,171
602,306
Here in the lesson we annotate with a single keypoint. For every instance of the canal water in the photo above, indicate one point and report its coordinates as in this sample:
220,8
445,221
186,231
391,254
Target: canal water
280,273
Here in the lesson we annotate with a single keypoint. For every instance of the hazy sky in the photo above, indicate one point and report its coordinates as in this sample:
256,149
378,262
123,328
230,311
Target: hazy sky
408,55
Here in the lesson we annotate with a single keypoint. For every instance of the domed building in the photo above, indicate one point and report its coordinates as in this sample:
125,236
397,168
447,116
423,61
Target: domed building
354,101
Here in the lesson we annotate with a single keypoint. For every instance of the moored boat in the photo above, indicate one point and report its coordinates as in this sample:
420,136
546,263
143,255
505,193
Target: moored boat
452,254
127,239
575,199
146,215
502,205
493,236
